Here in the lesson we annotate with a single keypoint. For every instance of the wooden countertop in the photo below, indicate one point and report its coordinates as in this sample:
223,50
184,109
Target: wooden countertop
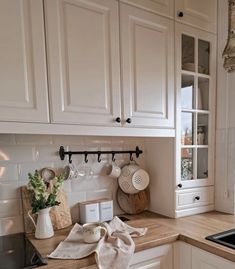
161,230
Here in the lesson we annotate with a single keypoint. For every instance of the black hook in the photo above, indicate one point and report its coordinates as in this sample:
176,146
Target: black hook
70,157
131,157
86,160
113,156
99,155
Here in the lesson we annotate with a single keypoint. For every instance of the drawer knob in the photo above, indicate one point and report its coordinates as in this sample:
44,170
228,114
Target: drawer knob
197,198
118,119
179,185
180,14
128,120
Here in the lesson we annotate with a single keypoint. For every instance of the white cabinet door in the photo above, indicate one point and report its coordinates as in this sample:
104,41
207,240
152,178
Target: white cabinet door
154,258
23,91
147,47
83,57
155,263
196,90
199,13
205,260
182,255
163,7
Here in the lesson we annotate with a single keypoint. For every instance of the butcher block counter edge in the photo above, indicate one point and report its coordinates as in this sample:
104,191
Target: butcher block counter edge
161,230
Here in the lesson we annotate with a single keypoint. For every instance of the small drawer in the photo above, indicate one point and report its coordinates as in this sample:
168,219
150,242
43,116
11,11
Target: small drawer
194,197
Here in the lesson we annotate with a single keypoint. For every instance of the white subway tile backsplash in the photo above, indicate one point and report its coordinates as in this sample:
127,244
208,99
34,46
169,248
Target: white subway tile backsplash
47,154
99,194
76,197
34,139
9,190
100,168
10,208
7,139
11,225
90,183
17,153
73,200
67,186
98,141
21,154
62,140
117,141
81,184
22,183
8,172
26,168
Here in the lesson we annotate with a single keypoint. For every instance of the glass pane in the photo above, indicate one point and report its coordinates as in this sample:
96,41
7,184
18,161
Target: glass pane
187,89
187,128
186,164
202,129
203,56
203,94
188,62
202,163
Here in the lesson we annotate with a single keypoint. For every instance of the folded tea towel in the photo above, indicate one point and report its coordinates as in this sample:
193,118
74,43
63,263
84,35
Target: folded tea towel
114,250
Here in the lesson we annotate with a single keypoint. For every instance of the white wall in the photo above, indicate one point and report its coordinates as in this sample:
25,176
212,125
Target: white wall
21,154
225,125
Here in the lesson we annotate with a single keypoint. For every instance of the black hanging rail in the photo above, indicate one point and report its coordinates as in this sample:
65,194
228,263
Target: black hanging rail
62,153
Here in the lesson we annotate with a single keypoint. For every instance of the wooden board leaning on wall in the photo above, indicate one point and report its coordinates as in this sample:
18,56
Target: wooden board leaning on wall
60,215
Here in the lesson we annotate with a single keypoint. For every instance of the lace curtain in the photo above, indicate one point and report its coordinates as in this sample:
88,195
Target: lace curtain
229,51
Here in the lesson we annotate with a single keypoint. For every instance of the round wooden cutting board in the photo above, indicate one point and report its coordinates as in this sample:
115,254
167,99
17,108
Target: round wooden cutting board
133,203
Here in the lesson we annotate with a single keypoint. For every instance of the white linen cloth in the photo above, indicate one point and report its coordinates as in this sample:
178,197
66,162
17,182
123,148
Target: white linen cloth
114,250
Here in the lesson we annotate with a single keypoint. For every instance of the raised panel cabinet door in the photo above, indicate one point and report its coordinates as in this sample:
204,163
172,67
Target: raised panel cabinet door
199,13
83,60
163,7
182,255
155,263
23,90
204,260
147,48
154,258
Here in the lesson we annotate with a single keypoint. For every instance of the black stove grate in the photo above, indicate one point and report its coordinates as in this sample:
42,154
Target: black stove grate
17,252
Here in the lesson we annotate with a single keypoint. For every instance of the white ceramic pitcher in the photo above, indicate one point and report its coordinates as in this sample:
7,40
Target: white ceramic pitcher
44,228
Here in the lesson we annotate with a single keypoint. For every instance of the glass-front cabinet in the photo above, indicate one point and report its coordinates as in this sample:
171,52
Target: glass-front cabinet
195,78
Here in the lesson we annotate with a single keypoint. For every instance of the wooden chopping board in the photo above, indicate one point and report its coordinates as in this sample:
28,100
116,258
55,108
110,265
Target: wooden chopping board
133,203
60,215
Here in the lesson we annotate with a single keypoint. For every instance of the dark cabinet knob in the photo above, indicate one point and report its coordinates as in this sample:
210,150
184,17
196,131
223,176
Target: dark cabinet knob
118,119
179,185
180,14
197,198
128,120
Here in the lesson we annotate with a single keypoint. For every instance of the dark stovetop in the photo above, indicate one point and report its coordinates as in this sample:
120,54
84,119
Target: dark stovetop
17,252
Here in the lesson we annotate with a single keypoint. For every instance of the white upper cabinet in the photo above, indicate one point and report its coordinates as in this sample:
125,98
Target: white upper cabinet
196,88
198,13
84,63
163,7
23,91
147,46
83,57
